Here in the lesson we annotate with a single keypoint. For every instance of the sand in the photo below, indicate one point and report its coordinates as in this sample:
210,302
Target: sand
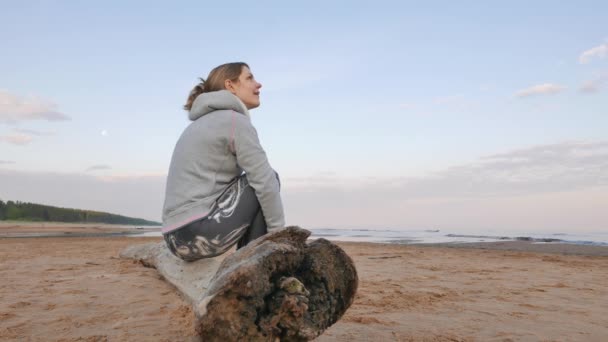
77,289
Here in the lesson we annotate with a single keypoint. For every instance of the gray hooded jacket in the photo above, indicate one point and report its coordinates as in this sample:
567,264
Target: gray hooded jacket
215,148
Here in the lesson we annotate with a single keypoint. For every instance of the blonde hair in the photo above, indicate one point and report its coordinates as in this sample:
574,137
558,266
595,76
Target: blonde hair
216,80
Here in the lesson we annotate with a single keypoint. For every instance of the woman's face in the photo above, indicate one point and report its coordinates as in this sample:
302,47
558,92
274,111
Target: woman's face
247,89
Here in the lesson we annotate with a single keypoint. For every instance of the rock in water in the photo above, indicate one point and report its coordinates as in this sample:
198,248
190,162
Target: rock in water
277,287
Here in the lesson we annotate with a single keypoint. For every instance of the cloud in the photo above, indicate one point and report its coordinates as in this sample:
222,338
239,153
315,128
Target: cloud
16,139
98,167
5,162
600,51
594,85
557,186
14,109
541,169
545,88
34,132
569,211
23,136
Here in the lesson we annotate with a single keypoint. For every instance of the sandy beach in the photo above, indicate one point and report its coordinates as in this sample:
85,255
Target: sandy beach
77,289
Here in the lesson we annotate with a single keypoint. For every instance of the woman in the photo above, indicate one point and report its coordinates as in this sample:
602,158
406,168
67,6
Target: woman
221,190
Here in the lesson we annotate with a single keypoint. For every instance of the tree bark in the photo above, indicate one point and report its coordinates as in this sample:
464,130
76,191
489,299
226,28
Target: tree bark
277,287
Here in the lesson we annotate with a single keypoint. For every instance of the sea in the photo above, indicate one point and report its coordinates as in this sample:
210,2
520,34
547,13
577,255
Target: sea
431,236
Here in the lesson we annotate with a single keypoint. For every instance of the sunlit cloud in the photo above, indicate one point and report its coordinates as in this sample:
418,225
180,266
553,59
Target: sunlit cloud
23,136
594,85
541,89
16,139
34,132
14,108
600,51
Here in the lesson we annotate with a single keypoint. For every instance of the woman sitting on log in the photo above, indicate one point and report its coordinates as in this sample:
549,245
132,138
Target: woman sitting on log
221,190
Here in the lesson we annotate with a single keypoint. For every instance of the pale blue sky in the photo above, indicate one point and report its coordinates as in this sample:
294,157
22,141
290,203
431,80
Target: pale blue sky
357,97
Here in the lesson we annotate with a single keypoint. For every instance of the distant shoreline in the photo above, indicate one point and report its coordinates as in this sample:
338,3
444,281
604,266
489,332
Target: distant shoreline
19,229
97,231
67,235
45,224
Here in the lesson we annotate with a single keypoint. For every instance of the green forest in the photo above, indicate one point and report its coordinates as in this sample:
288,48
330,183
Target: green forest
24,211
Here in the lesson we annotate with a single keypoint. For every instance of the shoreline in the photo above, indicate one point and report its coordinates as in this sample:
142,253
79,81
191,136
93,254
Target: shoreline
18,229
511,246
561,248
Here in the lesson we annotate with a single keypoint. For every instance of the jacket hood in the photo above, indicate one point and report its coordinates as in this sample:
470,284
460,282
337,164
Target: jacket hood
206,103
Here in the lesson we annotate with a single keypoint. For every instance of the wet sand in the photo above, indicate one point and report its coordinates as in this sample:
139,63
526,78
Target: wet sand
524,246
77,289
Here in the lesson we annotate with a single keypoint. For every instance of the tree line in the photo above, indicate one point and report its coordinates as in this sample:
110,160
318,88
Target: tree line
24,211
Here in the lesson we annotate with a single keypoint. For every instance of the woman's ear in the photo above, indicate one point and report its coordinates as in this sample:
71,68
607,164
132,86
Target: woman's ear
229,85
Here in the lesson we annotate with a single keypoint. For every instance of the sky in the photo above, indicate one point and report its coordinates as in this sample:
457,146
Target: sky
376,114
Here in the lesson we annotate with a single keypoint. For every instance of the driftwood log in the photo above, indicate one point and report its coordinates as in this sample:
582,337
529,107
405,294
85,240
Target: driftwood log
277,287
